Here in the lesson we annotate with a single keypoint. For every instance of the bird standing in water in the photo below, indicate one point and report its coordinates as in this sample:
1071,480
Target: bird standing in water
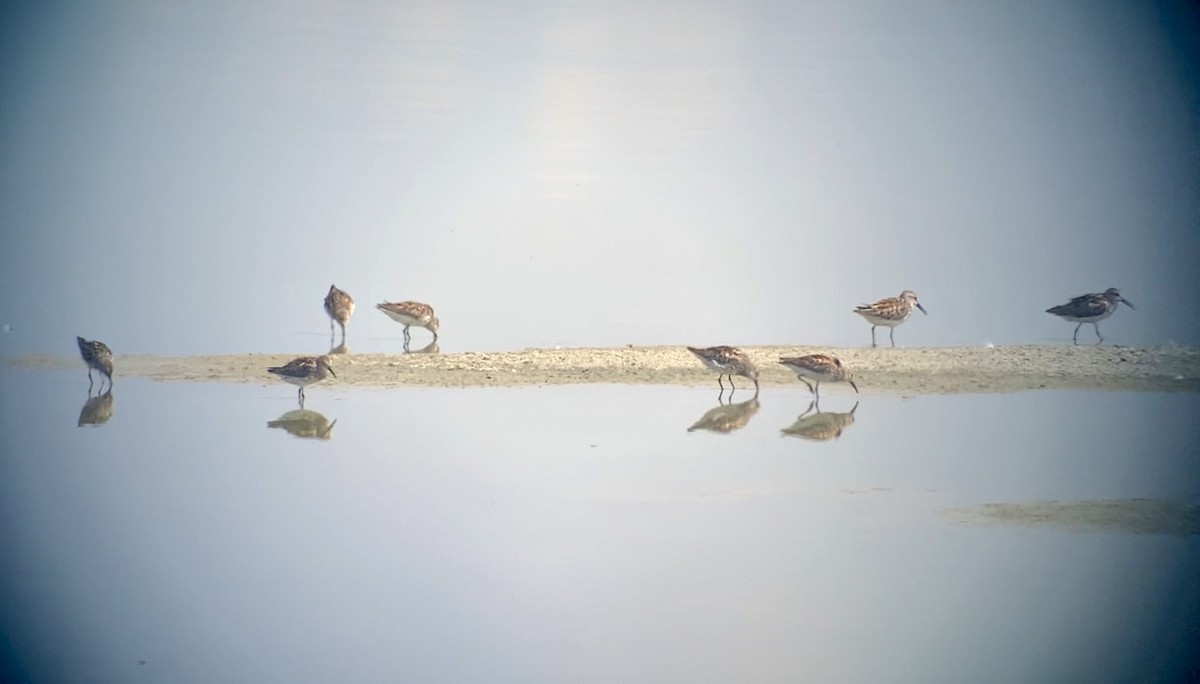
96,355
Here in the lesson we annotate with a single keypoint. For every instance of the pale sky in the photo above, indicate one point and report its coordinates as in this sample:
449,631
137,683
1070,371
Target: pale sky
191,179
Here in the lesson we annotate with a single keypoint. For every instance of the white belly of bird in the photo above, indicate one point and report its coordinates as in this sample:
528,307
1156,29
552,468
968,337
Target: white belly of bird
303,381
881,320
1091,319
809,373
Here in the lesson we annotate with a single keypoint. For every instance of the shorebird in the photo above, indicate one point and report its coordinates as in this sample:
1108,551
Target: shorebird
304,371
96,355
727,361
818,368
409,314
1090,308
891,312
340,306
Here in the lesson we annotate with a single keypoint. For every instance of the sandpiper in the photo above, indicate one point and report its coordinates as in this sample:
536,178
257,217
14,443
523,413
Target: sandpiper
891,311
340,306
818,368
727,361
409,314
96,355
1090,308
304,371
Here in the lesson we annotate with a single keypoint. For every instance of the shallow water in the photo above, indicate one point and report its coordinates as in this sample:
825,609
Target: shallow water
585,533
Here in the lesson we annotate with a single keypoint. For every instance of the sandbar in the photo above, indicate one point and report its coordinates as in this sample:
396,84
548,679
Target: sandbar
933,370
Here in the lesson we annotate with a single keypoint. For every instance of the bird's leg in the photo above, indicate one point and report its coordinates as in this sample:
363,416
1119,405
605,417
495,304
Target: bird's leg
89,381
1075,337
817,391
810,387
719,383
892,336
872,336
1097,327
756,387
808,410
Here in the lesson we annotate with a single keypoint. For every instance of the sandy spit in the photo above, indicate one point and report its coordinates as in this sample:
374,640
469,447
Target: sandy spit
1144,516
947,370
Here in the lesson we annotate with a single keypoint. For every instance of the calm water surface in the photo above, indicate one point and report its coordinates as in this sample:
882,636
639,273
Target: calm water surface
585,534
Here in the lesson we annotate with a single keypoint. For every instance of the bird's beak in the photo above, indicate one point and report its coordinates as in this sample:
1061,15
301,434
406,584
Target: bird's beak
332,373
853,385
1128,303
927,313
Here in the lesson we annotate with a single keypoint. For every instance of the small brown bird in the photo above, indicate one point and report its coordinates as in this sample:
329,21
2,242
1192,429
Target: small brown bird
1090,308
819,367
729,361
409,314
340,306
96,355
891,311
304,371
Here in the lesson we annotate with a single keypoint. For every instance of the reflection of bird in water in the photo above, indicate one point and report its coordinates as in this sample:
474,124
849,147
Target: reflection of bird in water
304,371
340,306
409,314
727,417
96,355
890,311
1090,308
820,427
304,423
819,367
340,349
431,348
729,361
97,410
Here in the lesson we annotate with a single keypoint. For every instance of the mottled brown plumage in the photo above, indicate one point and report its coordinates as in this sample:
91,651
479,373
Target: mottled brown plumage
819,368
728,361
339,305
890,312
1090,308
410,314
304,371
96,355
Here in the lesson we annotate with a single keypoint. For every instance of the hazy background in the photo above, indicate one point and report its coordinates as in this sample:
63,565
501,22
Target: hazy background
190,177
